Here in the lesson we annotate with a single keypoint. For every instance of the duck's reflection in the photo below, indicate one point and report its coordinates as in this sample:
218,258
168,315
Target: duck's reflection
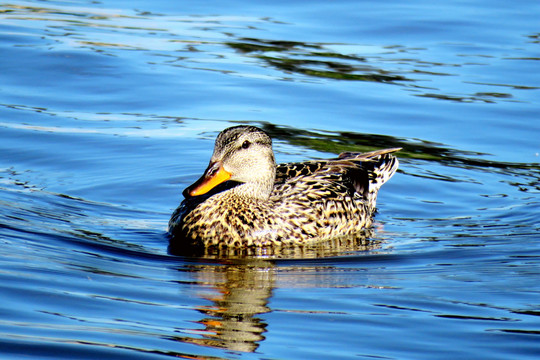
240,287
239,293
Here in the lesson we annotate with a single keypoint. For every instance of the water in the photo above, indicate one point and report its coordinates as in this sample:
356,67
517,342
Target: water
108,110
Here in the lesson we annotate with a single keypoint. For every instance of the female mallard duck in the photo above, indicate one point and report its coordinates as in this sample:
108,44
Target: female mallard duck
244,199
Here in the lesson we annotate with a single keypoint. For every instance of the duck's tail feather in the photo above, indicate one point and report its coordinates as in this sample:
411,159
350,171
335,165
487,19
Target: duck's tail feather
374,169
387,168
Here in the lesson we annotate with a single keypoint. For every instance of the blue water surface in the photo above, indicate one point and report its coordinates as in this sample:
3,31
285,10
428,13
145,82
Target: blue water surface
109,109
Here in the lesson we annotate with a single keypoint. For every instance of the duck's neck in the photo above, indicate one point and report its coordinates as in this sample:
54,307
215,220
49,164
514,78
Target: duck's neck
258,190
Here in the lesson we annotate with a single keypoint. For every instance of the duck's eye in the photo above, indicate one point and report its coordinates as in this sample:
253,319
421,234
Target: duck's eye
245,144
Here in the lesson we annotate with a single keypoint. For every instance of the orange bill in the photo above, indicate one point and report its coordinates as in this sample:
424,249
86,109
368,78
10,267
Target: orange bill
213,176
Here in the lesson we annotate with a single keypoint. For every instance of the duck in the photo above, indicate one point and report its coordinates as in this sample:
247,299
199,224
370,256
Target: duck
245,200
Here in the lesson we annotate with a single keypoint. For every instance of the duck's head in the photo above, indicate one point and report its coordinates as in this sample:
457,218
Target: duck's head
242,154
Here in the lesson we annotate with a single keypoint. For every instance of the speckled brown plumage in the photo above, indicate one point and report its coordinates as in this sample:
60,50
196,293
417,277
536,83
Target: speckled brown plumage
262,204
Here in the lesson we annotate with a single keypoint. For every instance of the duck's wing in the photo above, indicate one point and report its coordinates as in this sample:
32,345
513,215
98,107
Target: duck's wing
350,174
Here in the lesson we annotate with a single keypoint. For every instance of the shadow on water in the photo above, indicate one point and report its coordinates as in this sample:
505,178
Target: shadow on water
314,60
393,64
527,175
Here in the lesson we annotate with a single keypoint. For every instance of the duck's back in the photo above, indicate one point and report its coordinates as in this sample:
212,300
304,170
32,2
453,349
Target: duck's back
329,198
360,173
